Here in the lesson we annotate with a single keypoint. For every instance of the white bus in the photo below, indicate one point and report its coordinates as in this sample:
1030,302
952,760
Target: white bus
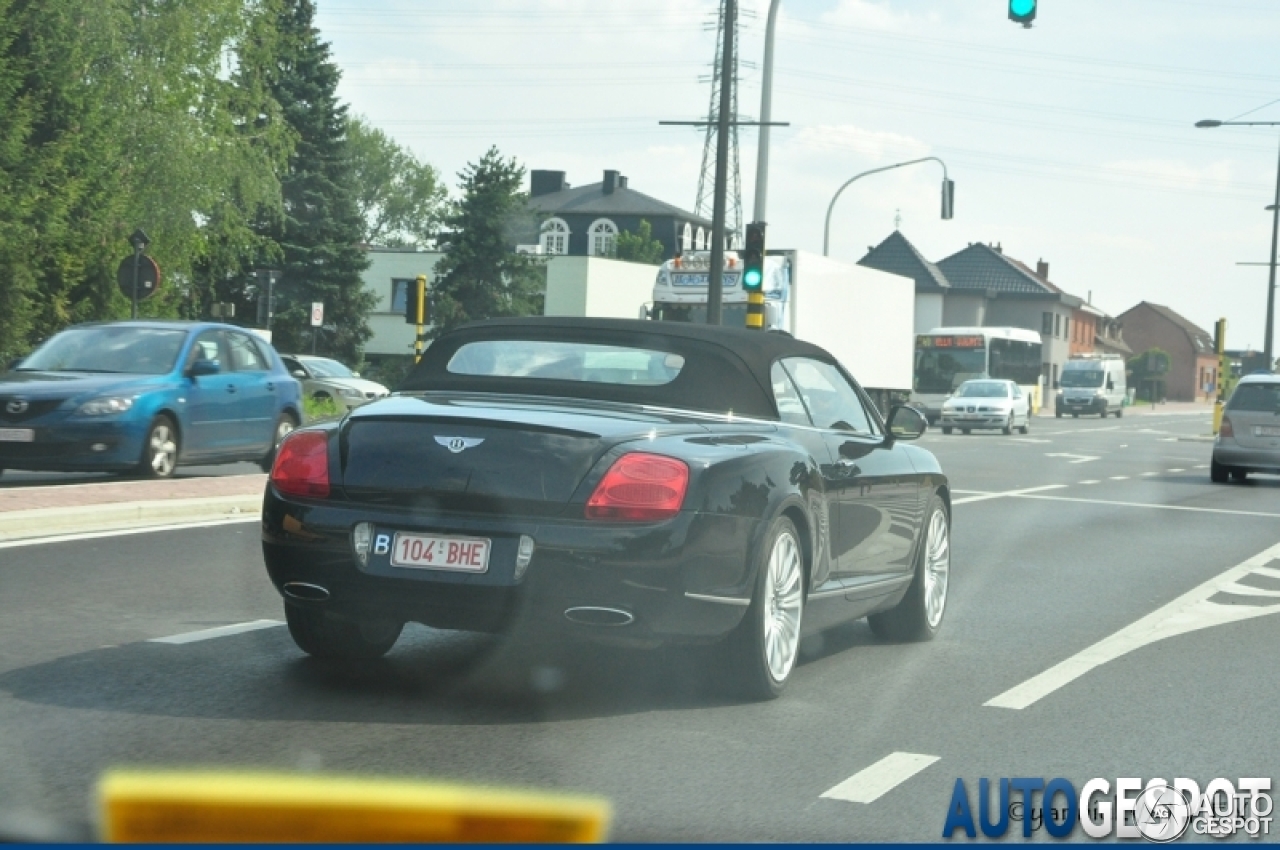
947,357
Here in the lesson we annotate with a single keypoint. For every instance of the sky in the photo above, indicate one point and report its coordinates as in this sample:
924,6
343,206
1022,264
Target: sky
1071,142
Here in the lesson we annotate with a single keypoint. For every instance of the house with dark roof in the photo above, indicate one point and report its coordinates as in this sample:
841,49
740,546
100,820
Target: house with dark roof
585,221
1193,361
897,255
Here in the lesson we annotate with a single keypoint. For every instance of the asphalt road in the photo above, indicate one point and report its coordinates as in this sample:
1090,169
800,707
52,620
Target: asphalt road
1062,539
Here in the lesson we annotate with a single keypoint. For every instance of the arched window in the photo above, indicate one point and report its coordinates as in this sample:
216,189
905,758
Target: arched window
555,236
700,241
600,238
686,239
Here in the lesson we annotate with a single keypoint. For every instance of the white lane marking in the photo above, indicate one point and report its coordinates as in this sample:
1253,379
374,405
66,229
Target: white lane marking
1028,440
974,492
120,532
1202,466
1144,505
1175,470
220,631
1091,481
1188,613
872,783
1119,478
1147,474
985,496
1078,458
1268,572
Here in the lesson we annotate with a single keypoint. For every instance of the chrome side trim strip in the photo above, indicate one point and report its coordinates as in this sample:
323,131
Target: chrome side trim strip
723,600
858,588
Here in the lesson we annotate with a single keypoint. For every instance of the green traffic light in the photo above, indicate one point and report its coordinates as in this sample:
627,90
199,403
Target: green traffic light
1022,7
751,279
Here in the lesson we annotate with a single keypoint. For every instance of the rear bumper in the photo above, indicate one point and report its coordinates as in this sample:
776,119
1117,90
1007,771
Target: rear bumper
644,570
1256,460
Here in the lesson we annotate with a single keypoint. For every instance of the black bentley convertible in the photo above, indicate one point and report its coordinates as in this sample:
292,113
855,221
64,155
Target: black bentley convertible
621,480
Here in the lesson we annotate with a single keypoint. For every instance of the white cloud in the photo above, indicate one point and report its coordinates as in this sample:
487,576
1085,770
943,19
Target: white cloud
876,144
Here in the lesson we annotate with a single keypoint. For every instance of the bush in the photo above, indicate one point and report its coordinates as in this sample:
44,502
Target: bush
320,409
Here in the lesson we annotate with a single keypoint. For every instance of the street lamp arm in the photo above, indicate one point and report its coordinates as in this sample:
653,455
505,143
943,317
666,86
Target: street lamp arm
826,230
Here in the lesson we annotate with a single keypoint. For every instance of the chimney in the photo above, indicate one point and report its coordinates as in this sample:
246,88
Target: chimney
999,248
1042,270
610,181
546,183
622,182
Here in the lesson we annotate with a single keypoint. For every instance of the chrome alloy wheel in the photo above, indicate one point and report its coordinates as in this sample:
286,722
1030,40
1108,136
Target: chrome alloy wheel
163,447
783,605
937,568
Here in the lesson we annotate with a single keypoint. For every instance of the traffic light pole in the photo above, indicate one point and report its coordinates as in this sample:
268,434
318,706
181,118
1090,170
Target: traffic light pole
421,290
946,182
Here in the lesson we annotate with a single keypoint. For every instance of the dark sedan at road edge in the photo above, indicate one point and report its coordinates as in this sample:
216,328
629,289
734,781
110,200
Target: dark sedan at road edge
617,480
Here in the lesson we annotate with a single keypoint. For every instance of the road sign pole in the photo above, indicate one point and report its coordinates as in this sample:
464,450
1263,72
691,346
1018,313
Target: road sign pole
137,259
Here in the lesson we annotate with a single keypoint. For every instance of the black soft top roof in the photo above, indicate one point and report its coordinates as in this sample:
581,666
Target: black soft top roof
726,369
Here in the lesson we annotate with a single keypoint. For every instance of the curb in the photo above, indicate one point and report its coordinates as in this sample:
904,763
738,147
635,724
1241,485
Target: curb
46,522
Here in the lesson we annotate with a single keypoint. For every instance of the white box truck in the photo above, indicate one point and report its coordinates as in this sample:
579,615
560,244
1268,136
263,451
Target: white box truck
863,316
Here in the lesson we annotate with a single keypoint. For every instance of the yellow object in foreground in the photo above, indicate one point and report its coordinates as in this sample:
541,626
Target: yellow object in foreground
172,806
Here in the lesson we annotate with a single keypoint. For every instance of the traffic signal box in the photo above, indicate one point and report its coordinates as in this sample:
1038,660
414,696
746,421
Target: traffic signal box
753,274
1023,11
415,313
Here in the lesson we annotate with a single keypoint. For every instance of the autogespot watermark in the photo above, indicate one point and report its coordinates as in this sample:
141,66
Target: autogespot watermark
1158,811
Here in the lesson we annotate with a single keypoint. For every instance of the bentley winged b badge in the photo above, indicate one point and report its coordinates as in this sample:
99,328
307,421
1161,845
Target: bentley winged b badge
459,444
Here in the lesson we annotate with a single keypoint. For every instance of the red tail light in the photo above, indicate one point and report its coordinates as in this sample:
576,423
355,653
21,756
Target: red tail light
640,487
301,467
1225,430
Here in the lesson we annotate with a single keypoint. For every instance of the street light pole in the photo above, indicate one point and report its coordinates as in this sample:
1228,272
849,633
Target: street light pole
766,112
826,230
715,283
1275,232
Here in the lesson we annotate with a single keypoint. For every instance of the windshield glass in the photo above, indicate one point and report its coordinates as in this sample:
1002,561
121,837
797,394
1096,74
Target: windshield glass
134,350
1082,377
601,364
943,371
323,367
1262,398
983,389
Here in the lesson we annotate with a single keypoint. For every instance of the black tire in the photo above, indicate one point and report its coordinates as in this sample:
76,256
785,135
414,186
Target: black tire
1218,473
1239,475
913,618
330,638
1119,412
160,449
946,429
1026,424
284,425
1075,416
748,644
1008,428
1057,414
964,430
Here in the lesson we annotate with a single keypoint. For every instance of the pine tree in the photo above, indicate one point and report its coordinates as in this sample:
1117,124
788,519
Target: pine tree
480,277
319,234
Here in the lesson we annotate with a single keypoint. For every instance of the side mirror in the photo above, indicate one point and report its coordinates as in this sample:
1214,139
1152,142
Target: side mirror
205,367
906,423
1111,385
643,313
299,374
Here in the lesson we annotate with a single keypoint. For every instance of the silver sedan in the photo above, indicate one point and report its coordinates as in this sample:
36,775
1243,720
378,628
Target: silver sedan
987,403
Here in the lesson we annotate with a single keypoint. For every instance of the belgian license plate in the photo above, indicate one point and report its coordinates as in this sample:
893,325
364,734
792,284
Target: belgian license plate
433,552
17,435
1266,431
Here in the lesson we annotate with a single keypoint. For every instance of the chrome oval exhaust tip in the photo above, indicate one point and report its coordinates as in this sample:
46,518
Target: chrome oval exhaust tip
590,615
305,592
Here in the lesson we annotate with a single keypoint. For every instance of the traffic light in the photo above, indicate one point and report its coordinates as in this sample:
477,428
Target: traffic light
1023,11
753,258
948,199
415,301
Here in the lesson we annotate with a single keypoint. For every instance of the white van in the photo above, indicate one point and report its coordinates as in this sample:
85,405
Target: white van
1091,383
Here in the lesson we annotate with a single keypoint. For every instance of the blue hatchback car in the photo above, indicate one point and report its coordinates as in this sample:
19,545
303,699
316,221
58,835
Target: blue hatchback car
144,396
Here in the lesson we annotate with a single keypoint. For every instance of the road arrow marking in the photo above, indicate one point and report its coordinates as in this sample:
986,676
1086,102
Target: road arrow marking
1078,458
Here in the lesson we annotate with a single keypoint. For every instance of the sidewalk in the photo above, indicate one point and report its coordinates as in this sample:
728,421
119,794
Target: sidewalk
70,509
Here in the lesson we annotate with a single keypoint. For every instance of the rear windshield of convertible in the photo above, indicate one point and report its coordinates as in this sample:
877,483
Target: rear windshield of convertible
566,361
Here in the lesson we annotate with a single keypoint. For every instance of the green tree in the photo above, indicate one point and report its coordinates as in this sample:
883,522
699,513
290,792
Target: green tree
400,198
318,236
479,276
638,247
1147,372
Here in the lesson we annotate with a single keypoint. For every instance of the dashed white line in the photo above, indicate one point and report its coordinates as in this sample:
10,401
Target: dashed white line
1091,481
220,631
1148,474
1144,505
1201,466
1119,478
1188,613
1176,470
872,783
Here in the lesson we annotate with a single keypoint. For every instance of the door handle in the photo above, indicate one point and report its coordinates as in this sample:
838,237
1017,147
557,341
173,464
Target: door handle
271,387
848,467
231,388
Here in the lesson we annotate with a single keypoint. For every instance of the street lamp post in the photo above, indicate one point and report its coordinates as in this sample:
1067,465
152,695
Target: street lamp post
1275,232
766,111
946,213
139,240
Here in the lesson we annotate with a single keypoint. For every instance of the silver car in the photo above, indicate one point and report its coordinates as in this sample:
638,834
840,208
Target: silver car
324,379
1249,439
986,403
